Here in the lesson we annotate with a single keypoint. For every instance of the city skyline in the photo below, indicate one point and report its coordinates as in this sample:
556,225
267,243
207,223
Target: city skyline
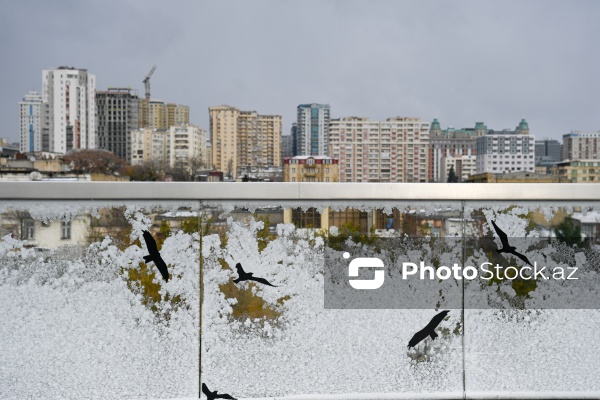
460,62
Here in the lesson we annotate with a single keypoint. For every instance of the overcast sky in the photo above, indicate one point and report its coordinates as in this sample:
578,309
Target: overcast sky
458,61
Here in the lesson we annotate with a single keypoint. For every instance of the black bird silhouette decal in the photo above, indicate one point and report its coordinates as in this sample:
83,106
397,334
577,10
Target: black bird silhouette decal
429,330
154,256
247,276
507,248
213,395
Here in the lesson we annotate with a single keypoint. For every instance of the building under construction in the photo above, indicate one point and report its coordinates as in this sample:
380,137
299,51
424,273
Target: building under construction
156,114
118,113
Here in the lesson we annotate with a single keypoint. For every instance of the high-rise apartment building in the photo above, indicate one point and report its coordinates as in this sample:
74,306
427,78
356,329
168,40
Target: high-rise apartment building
208,154
157,114
287,146
70,120
117,114
451,143
394,150
312,136
262,147
506,150
547,152
224,138
243,139
581,146
164,116
31,111
176,115
294,135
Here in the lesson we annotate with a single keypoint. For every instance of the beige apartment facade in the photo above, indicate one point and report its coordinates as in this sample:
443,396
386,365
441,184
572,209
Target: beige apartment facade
243,139
516,177
224,138
311,169
150,145
260,143
578,171
208,154
162,116
176,114
157,115
394,150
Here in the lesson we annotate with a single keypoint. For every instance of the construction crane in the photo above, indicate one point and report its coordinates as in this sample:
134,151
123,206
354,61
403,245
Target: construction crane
147,82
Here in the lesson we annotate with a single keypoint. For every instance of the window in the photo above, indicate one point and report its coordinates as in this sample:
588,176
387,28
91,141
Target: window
29,230
65,230
310,218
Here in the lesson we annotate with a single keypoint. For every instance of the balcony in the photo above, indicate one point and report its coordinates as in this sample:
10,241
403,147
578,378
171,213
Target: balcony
84,317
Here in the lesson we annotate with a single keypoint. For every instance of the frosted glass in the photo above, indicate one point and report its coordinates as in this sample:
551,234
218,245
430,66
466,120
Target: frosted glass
83,316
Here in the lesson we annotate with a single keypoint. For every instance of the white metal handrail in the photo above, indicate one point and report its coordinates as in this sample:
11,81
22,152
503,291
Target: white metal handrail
296,191
468,395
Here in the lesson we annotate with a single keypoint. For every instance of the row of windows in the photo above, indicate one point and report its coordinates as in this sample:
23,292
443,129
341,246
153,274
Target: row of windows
504,162
28,232
584,164
317,169
508,169
311,179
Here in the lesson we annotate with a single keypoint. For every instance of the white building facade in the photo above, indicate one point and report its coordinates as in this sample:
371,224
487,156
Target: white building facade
505,151
394,150
464,166
31,111
167,147
70,120
187,142
451,142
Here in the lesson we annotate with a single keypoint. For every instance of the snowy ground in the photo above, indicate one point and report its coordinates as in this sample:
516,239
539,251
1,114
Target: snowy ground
71,328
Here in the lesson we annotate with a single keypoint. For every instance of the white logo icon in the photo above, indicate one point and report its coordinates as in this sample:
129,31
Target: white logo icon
363,262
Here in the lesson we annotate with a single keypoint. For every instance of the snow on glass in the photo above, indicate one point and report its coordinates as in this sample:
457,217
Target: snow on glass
73,325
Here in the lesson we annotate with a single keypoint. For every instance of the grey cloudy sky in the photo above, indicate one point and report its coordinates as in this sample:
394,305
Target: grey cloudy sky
458,61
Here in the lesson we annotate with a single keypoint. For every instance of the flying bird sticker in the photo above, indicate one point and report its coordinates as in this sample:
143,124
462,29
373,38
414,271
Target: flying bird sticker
213,395
507,248
247,276
429,330
155,257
